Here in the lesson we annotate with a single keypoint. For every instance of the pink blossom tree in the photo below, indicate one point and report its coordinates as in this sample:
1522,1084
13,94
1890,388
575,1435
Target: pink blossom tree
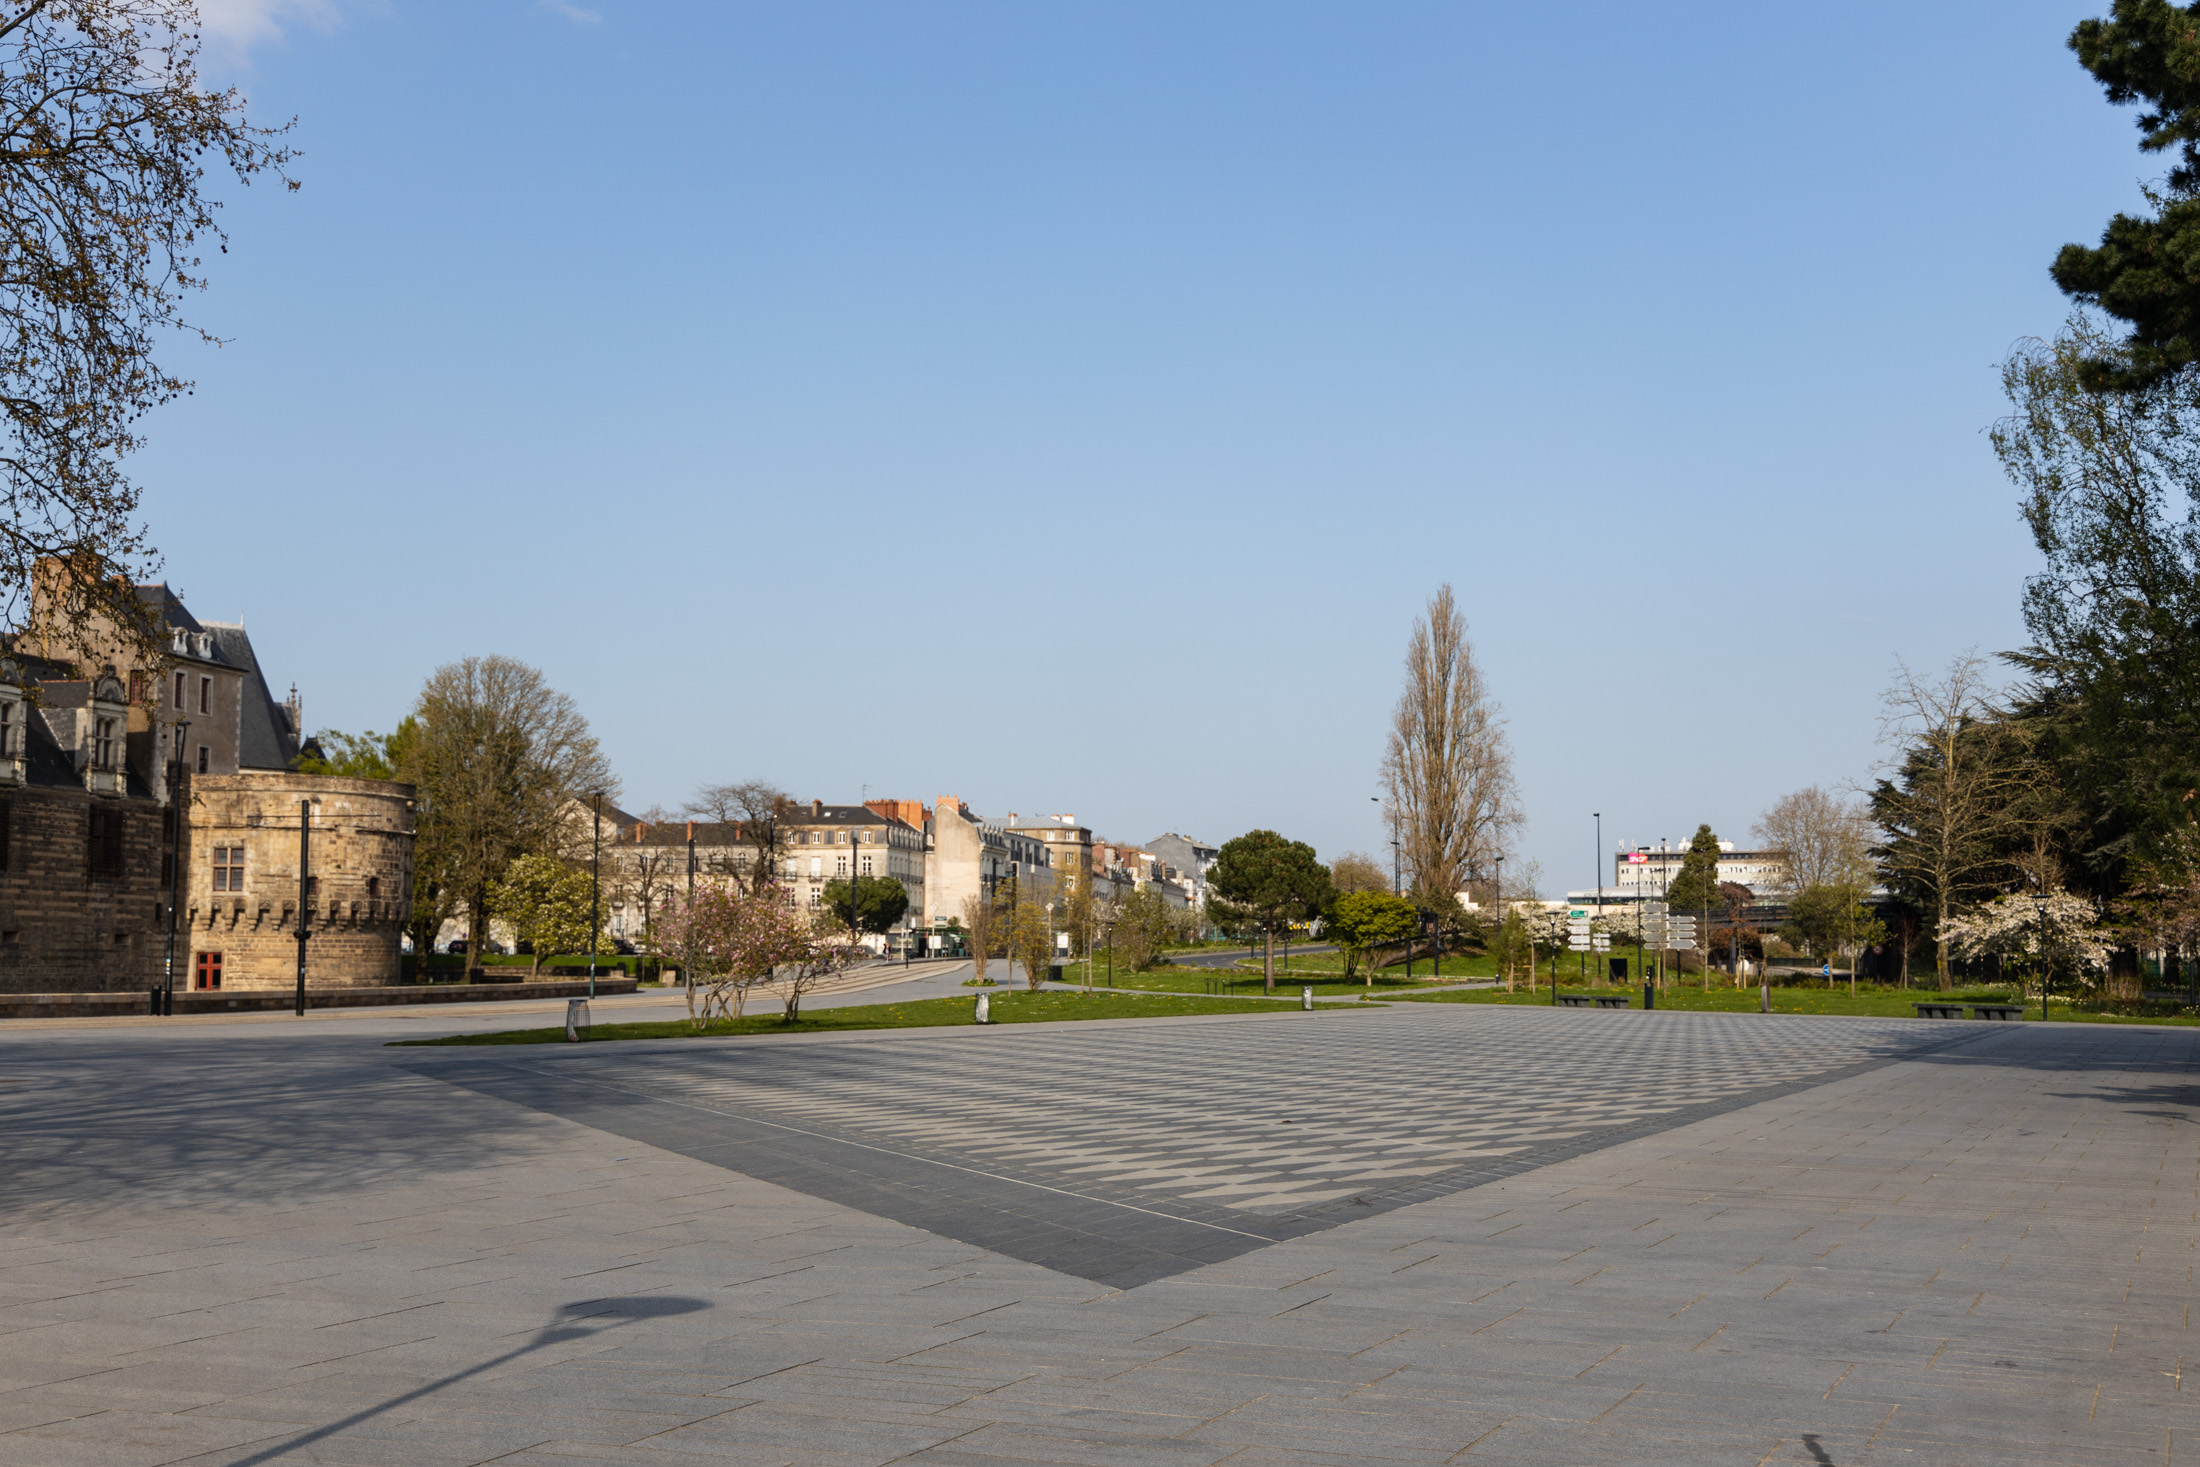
821,946
730,940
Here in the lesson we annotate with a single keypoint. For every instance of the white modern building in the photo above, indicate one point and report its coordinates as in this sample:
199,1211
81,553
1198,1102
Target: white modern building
1642,873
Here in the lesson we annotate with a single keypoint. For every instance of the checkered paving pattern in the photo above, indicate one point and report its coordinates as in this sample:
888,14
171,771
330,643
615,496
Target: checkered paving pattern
1270,1119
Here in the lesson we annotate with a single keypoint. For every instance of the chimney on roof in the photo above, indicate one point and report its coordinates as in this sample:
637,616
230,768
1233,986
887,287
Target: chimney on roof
297,713
817,808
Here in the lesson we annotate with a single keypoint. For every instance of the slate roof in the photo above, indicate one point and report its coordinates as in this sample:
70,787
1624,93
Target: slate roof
265,739
166,609
675,833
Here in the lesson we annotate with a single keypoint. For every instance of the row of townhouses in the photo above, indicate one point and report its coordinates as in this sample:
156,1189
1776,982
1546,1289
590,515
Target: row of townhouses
942,854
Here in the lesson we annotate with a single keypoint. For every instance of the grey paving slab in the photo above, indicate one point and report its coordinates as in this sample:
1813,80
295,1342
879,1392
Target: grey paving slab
250,1245
1165,1150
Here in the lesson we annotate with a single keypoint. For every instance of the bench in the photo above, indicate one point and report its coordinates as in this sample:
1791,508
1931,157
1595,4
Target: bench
1599,1000
1576,1000
1938,1010
2010,1011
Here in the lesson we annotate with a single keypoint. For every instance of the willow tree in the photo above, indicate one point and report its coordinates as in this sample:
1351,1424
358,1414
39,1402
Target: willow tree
1453,804
105,139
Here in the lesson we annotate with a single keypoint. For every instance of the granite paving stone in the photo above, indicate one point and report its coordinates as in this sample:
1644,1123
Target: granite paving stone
1549,1237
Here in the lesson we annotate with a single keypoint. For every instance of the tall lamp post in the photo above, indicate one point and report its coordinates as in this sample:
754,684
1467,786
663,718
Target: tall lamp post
1598,817
595,872
1394,871
855,886
1497,901
177,811
305,892
2039,905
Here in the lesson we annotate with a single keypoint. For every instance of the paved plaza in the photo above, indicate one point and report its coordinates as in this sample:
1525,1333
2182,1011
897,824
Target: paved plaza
1444,1233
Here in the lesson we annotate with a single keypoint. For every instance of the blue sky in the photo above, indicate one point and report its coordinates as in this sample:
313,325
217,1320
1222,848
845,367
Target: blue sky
1069,407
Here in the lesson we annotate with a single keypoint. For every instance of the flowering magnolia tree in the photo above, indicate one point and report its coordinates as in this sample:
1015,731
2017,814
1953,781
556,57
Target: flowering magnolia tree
728,940
820,946
2059,929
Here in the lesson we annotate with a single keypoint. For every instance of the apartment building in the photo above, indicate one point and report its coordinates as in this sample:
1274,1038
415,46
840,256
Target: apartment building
972,856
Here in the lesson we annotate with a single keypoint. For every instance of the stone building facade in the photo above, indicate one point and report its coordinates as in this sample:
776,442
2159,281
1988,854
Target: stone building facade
972,856
94,765
82,844
645,864
241,905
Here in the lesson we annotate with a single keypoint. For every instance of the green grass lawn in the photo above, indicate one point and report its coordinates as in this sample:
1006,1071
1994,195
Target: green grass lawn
1248,982
1323,972
1871,1000
1007,1008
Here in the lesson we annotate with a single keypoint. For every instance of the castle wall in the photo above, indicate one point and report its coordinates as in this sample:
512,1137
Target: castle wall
360,861
69,924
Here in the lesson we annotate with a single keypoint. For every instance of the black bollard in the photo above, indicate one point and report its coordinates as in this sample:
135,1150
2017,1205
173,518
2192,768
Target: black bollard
1649,996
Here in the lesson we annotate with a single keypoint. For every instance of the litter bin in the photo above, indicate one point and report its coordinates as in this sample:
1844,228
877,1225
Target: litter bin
1054,972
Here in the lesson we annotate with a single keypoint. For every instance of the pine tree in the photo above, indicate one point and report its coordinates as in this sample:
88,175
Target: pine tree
1697,884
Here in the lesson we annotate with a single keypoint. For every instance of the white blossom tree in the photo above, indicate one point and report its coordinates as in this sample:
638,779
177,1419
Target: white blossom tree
2058,929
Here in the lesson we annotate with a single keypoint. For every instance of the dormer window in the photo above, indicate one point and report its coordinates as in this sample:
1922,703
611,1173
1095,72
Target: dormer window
103,743
7,729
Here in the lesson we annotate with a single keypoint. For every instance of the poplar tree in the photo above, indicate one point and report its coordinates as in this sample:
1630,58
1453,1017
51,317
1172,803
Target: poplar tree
1448,767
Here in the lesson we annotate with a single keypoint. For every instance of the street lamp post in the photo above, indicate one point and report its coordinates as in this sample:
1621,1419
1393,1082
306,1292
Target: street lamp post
1640,962
305,890
595,875
177,811
2039,905
1497,903
1598,817
855,886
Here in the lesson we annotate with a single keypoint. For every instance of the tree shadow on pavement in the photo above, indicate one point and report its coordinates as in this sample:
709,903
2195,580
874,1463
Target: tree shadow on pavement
576,1321
231,1126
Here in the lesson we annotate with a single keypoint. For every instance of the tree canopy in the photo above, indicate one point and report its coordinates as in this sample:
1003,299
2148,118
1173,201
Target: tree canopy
108,133
357,756
2146,270
546,904
1361,921
882,902
1267,880
1696,885
1275,881
499,758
